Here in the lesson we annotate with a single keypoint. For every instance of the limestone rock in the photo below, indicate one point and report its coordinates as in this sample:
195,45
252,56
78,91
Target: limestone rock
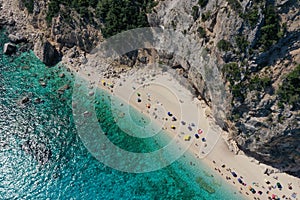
46,53
18,38
25,100
9,48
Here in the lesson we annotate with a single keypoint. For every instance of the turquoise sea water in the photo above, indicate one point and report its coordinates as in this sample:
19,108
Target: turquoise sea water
71,171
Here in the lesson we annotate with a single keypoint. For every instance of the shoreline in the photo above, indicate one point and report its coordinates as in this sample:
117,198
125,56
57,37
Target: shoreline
213,153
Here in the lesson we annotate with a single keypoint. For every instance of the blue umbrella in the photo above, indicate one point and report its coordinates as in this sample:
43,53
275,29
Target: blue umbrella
233,174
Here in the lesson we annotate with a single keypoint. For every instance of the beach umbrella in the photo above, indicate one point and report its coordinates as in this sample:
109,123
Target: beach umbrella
173,127
170,114
139,100
197,136
203,140
174,119
103,82
252,190
233,174
138,94
200,131
187,138
279,185
259,192
183,122
148,105
240,181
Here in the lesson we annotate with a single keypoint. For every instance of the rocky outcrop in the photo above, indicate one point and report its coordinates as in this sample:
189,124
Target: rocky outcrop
46,52
60,39
24,100
18,38
73,34
9,48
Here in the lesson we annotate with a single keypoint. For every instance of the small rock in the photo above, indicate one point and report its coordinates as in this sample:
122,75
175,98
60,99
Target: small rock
87,114
143,59
74,105
9,48
43,84
26,67
25,100
11,22
38,100
16,38
63,88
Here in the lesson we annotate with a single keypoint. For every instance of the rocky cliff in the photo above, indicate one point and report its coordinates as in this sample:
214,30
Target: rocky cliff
248,49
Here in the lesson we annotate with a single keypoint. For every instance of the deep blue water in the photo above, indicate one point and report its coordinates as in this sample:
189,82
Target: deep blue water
71,171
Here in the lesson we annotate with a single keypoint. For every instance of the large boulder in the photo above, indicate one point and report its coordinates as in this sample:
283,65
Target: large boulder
17,38
9,48
46,52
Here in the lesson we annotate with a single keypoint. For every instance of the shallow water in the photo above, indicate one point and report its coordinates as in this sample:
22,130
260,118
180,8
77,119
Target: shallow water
71,171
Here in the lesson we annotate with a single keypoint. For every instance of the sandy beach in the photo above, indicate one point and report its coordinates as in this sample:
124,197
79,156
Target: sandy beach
173,107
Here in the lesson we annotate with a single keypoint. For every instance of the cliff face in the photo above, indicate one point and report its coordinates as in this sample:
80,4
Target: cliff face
246,49
63,34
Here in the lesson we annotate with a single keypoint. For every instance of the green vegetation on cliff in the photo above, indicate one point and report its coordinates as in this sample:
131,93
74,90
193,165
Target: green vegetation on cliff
232,73
241,42
29,4
259,83
224,45
252,16
289,90
201,31
270,31
115,15
120,15
202,3
195,12
235,5
81,6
